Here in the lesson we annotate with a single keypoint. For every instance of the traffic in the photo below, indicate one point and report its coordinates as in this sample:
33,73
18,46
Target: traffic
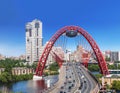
73,78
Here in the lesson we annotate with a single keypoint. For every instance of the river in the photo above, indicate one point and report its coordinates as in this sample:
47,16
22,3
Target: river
28,86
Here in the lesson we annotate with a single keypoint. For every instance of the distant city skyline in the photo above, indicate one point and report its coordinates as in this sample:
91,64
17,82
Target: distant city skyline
101,19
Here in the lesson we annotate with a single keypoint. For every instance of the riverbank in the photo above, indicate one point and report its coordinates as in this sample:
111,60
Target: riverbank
28,86
8,78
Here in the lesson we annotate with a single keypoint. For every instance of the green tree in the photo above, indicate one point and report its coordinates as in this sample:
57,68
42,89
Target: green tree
116,85
107,58
108,86
34,65
93,67
111,67
53,67
98,75
3,77
7,76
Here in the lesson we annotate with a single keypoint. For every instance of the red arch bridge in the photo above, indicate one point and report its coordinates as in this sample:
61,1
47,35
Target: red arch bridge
84,54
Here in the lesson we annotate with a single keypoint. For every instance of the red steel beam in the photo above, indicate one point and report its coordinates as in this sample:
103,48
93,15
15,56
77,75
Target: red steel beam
43,58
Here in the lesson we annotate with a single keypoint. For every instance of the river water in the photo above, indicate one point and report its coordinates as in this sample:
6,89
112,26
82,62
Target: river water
28,86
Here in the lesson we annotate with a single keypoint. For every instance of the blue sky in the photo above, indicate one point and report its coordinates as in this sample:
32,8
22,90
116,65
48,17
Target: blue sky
101,18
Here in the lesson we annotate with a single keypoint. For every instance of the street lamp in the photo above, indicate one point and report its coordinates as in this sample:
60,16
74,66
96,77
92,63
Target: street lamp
67,51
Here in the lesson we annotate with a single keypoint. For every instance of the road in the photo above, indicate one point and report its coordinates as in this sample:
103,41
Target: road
73,78
87,82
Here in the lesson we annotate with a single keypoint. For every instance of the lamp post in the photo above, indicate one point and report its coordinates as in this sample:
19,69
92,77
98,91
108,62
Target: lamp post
67,55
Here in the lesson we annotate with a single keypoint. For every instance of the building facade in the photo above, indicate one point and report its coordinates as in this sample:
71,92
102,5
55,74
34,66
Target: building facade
114,56
34,41
119,56
78,55
2,57
19,70
22,70
55,50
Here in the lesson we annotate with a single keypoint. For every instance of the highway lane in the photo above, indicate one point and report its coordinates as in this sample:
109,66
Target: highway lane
55,88
73,78
91,82
67,80
87,82
71,83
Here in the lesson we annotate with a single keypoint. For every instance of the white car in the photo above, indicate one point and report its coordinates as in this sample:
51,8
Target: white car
82,76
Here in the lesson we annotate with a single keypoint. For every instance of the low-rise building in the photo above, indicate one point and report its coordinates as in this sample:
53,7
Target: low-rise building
19,70
114,56
22,57
80,55
2,57
109,80
22,70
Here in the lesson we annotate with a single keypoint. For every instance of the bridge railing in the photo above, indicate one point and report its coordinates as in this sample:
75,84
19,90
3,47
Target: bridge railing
95,79
98,85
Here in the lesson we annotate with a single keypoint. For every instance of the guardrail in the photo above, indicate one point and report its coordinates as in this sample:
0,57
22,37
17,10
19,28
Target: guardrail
48,90
95,90
98,85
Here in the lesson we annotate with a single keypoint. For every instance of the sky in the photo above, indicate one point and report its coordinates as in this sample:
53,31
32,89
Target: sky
100,18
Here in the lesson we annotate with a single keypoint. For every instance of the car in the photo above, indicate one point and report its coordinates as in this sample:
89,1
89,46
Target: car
82,76
79,87
62,87
65,82
61,91
84,81
72,85
69,87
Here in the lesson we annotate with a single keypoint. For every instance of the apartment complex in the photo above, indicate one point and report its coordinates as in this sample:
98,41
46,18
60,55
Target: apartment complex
34,41
113,55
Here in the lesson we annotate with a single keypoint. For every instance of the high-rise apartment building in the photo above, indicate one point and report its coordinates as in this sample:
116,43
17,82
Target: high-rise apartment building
34,41
114,56
119,56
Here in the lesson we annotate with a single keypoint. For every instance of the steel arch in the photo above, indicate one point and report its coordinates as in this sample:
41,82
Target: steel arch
47,49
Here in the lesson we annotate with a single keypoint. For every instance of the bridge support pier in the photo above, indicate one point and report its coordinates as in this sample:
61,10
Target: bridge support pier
35,77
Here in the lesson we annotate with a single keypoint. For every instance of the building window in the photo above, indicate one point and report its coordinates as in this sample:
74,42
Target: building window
37,54
23,71
27,40
27,30
30,32
37,32
28,57
37,26
37,41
